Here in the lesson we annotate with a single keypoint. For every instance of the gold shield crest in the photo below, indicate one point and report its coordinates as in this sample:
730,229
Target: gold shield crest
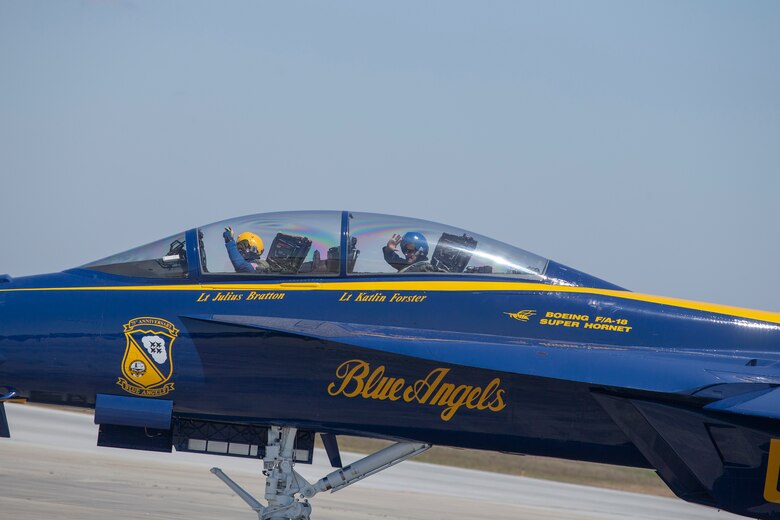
147,365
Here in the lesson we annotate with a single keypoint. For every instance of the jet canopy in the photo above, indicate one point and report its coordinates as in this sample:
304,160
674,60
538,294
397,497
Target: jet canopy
328,243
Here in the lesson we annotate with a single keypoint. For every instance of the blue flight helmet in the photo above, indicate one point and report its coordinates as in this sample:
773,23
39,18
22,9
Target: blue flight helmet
414,242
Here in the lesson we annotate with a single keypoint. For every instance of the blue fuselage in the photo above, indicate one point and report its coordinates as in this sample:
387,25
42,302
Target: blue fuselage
488,364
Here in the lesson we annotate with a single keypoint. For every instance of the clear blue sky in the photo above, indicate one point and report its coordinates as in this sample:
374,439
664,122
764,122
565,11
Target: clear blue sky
637,141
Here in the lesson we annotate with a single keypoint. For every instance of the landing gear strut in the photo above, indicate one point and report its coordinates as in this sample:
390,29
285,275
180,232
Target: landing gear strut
283,483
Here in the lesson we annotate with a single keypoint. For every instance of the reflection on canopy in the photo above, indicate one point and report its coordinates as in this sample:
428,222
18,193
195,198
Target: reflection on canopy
295,242
452,250
308,243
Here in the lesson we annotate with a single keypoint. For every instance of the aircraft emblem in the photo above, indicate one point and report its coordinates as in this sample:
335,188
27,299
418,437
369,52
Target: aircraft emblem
521,315
147,365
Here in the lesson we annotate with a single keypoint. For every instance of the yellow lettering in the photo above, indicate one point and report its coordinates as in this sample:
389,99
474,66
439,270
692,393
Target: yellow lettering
771,493
400,298
490,389
356,378
412,393
443,394
397,386
349,371
374,380
498,404
471,402
457,399
566,316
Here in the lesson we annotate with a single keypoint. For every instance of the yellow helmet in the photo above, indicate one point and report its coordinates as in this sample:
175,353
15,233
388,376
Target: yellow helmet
249,243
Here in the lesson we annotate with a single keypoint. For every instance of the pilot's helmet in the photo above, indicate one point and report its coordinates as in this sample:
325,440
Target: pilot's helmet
249,245
414,242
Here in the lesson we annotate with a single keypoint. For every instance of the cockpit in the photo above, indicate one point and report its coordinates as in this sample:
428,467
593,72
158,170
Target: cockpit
319,244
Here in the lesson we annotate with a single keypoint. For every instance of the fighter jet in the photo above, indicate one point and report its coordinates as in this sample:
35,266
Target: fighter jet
249,337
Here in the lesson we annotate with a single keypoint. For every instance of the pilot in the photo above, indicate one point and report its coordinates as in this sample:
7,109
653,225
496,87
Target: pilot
245,252
414,247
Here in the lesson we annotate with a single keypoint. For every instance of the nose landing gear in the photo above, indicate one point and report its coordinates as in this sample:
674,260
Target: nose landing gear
287,493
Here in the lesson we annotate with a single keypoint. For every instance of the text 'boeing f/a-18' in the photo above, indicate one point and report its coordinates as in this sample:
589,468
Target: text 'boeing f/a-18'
248,337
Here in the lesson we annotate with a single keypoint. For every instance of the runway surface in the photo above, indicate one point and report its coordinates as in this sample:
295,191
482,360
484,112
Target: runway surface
52,469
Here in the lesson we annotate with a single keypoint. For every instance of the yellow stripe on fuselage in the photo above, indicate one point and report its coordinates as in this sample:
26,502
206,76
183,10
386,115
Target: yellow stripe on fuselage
432,286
